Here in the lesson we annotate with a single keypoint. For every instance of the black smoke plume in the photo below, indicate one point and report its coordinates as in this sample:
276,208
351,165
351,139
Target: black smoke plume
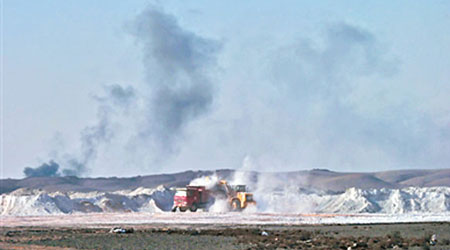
116,99
178,66
179,88
44,170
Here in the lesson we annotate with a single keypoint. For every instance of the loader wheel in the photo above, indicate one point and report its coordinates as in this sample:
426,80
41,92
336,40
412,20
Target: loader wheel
235,205
183,209
193,208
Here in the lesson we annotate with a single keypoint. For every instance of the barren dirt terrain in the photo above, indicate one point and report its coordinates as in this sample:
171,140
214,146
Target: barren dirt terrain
208,236
203,230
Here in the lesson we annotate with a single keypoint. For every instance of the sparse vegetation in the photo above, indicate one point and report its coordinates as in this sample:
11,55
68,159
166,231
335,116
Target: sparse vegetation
401,236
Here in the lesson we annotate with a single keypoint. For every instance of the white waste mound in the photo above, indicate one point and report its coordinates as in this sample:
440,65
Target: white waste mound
409,200
38,202
353,200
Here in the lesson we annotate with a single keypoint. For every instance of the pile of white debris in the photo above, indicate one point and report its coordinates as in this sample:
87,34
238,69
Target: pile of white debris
353,200
411,200
38,202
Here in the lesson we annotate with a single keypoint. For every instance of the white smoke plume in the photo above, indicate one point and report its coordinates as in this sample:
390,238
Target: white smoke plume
207,181
272,192
210,181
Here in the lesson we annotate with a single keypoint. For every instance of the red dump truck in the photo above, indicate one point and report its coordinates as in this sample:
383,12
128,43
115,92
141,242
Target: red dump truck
192,198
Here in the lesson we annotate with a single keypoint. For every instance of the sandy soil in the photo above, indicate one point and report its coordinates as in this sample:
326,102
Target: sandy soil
93,219
202,230
150,236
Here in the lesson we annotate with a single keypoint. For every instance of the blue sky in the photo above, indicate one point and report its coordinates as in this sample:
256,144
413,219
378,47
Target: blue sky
348,85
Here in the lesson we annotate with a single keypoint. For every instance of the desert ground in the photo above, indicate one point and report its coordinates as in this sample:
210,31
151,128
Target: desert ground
207,236
222,231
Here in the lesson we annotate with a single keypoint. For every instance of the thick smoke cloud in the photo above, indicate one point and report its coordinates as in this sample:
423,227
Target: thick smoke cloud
178,65
332,102
178,89
326,100
348,54
332,84
45,170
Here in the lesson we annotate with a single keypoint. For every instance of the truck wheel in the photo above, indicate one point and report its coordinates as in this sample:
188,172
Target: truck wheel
174,209
183,209
235,205
193,208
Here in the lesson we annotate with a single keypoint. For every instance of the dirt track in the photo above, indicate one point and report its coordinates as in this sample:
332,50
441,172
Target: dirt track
95,219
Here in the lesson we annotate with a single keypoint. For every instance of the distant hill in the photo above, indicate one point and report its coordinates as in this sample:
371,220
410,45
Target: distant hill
318,179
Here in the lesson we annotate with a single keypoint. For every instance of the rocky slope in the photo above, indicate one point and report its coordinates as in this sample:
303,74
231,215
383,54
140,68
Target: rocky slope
318,179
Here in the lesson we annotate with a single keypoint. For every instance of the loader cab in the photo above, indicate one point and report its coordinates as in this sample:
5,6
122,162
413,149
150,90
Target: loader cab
239,188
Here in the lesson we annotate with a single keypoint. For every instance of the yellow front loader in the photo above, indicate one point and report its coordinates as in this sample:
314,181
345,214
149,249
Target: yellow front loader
237,196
